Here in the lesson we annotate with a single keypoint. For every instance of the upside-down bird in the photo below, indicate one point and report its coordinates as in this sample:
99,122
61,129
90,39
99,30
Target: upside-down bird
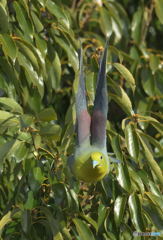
90,162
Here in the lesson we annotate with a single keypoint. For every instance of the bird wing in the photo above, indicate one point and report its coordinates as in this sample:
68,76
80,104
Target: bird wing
82,115
100,110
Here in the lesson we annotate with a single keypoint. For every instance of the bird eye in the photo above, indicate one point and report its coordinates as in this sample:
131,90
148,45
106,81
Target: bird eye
101,157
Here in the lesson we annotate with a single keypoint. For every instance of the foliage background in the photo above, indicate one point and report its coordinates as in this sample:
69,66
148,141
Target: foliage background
39,198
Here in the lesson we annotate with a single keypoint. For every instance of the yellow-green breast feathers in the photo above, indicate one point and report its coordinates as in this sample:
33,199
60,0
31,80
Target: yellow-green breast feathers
91,165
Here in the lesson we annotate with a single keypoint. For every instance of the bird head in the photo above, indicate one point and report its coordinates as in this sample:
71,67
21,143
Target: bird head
98,159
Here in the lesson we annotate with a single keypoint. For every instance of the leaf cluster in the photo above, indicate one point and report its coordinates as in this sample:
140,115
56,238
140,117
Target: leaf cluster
39,42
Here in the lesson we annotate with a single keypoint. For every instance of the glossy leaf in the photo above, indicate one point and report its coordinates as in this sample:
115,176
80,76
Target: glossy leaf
117,148
154,62
5,220
71,53
58,12
38,175
5,148
154,214
8,46
123,177
152,163
157,200
159,9
119,209
132,141
126,74
136,25
53,131
105,23
46,115
12,104
152,141
83,230
4,21
147,80
23,19
39,42
136,212
121,98
102,214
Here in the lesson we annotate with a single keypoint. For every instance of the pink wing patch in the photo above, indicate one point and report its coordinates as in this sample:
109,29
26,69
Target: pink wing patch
83,126
98,128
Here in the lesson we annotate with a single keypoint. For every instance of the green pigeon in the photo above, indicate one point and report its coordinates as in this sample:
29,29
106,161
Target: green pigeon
90,162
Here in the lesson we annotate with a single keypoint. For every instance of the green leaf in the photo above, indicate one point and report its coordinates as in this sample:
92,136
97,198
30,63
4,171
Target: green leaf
151,186
136,212
126,74
29,53
21,151
136,180
75,202
83,229
102,214
136,25
90,221
54,72
4,22
38,175
5,220
58,236
25,221
132,141
154,62
12,104
30,201
34,100
119,209
147,80
52,222
38,25
152,163
53,131
71,53
5,148
115,19
116,147
47,114
152,141
122,99
154,214
58,12
57,69
158,126
31,75
159,9
105,22
8,119
157,200
123,176
23,19
8,46
41,45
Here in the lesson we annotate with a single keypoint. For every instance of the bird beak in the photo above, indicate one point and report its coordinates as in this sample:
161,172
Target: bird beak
95,163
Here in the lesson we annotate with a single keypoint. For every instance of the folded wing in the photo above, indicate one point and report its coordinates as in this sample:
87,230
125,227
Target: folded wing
99,117
83,117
